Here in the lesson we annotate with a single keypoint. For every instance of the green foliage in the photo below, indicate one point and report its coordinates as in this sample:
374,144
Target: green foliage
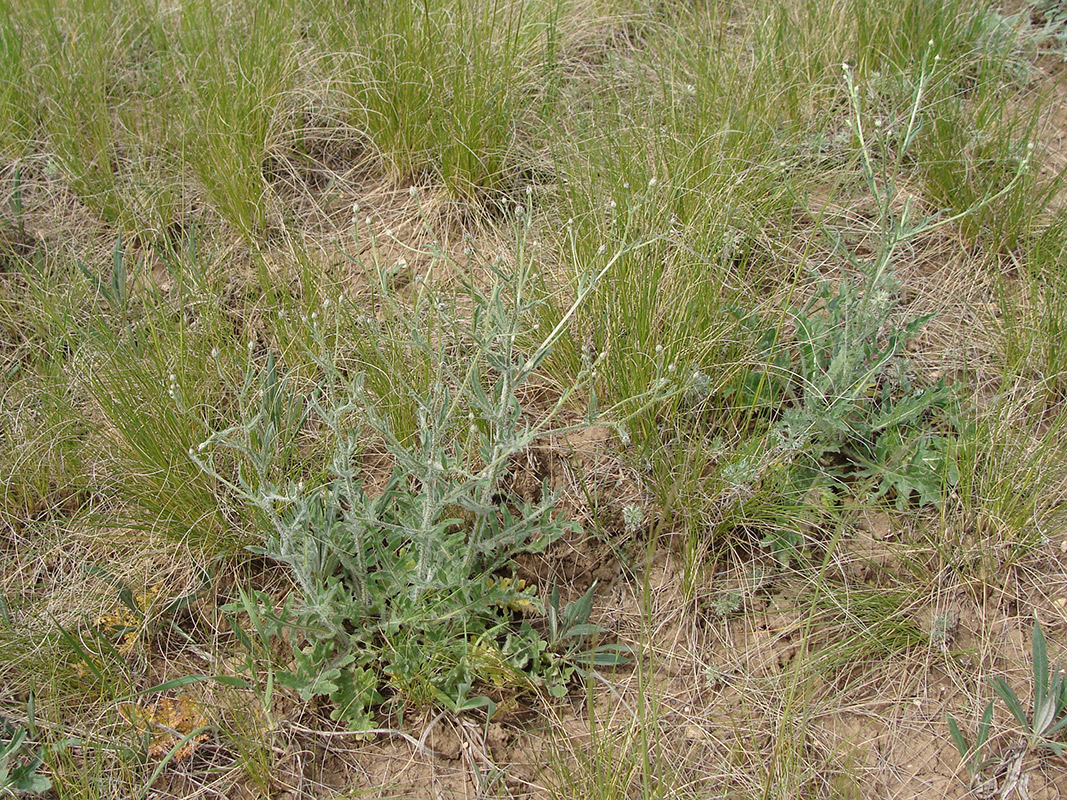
1042,727
973,148
565,641
20,760
853,410
687,157
15,244
1053,11
893,35
1054,15
237,65
1049,687
158,386
115,289
973,757
1033,314
72,81
447,90
846,406
400,587
375,445
14,105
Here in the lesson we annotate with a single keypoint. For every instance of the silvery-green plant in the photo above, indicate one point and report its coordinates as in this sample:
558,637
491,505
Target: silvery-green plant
1048,716
402,590
1042,727
1054,13
849,402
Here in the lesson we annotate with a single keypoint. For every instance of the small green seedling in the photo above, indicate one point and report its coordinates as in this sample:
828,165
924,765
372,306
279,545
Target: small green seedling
973,757
1050,700
20,762
116,289
1048,719
569,630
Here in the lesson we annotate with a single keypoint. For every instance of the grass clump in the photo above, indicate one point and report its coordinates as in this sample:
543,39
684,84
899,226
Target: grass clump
446,92
238,67
14,104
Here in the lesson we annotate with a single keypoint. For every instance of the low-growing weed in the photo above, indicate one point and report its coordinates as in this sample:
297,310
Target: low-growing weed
114,289
1053,13
973,757
848,409
403,590
1049,715
20,760
1041,729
